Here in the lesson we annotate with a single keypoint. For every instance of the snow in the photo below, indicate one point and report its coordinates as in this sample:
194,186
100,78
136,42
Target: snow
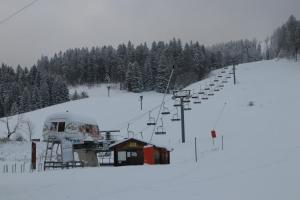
259,160
71,117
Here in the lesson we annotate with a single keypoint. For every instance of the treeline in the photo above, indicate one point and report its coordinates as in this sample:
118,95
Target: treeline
142,68
24,90
285,41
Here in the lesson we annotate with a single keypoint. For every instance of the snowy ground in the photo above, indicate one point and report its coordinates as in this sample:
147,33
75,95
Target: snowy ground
259,161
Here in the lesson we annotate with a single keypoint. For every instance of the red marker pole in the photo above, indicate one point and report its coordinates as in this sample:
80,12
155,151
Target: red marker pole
213,136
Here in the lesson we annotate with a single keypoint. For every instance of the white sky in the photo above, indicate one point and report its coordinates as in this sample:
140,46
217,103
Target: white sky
52,25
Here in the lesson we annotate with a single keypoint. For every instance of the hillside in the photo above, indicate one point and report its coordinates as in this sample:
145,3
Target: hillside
259,160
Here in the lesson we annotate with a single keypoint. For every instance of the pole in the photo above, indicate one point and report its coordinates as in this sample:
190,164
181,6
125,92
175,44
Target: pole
33,156
141,100
222,143
234,78
108,89
196,156
182,121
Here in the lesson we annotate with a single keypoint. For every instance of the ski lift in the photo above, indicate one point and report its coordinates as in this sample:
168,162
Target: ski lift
220,76
216,80
223,71
211,84
129,131
197,100
216,90
165,110
160,129
228,77
201,92
195,96
204,98
221,86
224,81
177,103
151,120
210,94
187,107
186,100
175,116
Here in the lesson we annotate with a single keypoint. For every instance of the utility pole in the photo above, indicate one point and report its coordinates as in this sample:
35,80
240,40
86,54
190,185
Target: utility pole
234,78
141,101
108,89
182,95
196,155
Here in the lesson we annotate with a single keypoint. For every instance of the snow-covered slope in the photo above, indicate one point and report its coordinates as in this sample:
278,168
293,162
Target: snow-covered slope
259,160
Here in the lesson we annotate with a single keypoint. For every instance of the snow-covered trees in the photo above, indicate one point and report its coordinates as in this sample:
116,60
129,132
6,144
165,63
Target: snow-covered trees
140,68
22,90
285,41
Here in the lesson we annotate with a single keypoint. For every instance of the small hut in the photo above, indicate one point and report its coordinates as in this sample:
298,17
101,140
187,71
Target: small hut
128,152
156,155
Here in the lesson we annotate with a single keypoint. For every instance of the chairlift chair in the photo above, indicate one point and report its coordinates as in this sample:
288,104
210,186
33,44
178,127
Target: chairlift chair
187,107
165,110
210,94
186,100
175,116
220,76
211,84
204,98
223,71
197,100
151,120
177,103
216,89
195,96
160,129
216,80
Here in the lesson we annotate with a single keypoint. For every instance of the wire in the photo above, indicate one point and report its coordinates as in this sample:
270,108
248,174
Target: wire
162,102
220,115
17,12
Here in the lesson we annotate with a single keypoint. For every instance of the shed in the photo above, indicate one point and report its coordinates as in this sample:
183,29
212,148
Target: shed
128,152
156,155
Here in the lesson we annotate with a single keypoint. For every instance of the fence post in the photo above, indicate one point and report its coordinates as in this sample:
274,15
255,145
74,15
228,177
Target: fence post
222,142
196,155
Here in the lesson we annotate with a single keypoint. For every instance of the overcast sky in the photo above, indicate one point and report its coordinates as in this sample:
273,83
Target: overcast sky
53,25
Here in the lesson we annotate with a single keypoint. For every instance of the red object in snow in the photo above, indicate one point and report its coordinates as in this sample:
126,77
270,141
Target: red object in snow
213,134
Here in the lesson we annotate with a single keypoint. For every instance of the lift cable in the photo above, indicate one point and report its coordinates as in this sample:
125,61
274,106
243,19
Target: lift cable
162,103
220,115
17,12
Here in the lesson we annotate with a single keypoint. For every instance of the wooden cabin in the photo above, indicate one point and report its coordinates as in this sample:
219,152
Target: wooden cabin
132,151
128,152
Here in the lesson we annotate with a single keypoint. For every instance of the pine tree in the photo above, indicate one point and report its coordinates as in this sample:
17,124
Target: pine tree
134,78
163,73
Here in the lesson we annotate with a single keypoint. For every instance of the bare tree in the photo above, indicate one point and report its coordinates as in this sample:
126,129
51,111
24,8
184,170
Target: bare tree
29,127
12,129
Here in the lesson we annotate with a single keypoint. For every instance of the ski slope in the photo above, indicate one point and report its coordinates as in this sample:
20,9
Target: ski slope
260,159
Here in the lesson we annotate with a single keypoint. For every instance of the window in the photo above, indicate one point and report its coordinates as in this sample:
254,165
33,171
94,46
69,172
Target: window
53,126
61,126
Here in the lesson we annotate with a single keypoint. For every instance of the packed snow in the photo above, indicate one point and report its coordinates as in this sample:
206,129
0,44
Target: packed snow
258,119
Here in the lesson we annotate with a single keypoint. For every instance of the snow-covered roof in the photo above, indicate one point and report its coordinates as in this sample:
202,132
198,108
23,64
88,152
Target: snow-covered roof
148,144
70,117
